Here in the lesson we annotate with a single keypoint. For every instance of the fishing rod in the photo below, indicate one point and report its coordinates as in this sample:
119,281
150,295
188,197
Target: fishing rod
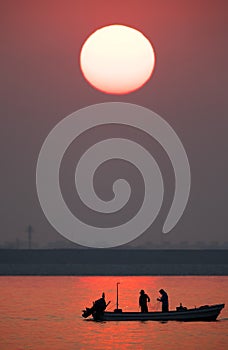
109,306
108,303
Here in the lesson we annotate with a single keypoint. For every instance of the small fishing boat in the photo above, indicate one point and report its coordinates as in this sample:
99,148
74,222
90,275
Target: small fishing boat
201,313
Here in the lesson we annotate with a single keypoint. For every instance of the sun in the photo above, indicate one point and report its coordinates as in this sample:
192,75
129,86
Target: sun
117,59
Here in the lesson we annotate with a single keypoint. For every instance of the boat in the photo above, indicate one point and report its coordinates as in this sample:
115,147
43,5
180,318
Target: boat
201,313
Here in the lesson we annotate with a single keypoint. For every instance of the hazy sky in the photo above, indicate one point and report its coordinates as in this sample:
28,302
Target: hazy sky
41,83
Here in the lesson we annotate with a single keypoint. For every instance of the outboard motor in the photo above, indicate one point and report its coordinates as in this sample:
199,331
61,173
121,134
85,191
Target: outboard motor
88,311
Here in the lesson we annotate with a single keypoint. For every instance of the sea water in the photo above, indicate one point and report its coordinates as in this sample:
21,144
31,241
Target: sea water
45,313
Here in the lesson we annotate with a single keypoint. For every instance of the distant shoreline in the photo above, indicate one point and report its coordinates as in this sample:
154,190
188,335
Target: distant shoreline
107,262
112,270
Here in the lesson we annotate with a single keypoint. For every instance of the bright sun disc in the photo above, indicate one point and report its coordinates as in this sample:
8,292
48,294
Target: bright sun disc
117,59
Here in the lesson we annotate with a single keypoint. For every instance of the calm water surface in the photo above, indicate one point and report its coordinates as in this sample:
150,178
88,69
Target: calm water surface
45,313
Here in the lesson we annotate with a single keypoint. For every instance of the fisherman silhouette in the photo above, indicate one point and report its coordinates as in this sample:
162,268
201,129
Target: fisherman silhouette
143,299
164,300
97,309
100,304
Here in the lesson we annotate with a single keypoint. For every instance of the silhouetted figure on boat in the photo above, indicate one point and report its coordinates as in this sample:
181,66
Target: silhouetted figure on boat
164,300
97,309
100,304
143,299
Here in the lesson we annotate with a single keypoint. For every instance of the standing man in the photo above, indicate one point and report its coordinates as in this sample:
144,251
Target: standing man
164,300
143,299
